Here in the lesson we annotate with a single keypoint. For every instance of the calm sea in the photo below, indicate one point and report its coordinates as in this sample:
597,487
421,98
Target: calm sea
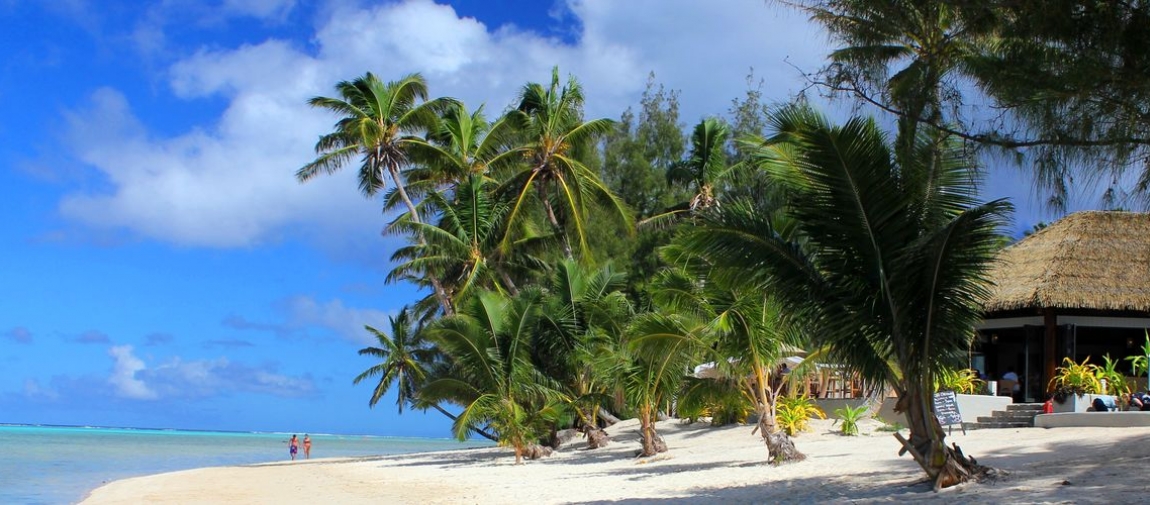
57,465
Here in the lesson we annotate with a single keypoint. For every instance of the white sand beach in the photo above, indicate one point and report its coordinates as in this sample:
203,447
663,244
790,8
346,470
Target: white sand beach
704,465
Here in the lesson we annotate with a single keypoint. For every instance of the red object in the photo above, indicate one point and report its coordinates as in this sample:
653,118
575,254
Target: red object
1048,407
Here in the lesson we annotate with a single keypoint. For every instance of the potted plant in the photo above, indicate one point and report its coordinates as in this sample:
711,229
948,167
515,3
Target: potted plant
1072,382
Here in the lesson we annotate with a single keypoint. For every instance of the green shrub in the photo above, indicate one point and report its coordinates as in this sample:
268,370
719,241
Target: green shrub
1075,379
850,418
794,414
959,381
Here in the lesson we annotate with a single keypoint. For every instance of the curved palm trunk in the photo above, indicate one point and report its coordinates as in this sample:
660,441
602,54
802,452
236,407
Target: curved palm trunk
482,432
946,466
780,447
440,293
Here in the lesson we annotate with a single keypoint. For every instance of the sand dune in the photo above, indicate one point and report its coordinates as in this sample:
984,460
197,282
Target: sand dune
704,465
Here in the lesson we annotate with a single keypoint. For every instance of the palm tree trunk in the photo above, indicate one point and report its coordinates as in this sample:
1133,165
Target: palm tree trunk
555,222
480,431
440,293
946,466
780,447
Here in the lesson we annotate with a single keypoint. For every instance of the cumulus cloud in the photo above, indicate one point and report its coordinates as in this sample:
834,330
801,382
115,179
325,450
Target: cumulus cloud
19,334
229,183
302,313
123,380
131,378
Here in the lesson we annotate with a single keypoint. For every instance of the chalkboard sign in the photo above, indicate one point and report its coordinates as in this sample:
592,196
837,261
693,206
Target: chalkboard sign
946,408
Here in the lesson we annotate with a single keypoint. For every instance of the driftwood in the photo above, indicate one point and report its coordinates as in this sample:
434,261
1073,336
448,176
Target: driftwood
561,437
536,451
607,417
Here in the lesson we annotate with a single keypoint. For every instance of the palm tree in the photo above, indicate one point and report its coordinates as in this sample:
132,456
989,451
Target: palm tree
492,377
379,123
660,348
465,246
750,333
584,315
554,137
402,359
892,262
704,168
462,144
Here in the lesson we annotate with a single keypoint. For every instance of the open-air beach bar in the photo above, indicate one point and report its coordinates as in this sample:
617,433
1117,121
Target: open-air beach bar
1078,288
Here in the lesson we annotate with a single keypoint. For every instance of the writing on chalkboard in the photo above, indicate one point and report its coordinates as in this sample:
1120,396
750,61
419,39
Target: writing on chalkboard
946,408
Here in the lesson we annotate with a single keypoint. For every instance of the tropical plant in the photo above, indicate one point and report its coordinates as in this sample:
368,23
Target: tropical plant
493,378
724,401
902,55
705,166
888,258
1140,365
960,381
403,358
584,316
380,122
1075,379
742,321
463,248
554,136
850,417
660,347
793,414
1114,380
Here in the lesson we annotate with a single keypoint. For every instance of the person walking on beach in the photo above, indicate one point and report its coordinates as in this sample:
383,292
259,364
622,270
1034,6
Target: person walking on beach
293,447
306,446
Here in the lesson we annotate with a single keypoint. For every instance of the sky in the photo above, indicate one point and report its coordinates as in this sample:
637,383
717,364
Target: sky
161,265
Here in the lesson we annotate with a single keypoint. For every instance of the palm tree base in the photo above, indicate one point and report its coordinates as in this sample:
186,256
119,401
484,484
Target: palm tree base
781,449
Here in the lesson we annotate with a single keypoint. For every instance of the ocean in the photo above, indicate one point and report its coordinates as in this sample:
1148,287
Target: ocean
59,465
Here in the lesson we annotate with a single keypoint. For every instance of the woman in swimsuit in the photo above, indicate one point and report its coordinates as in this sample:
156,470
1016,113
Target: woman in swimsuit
293,447
307,446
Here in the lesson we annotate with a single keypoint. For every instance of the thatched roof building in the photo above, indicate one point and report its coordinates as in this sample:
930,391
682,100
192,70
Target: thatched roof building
1092,260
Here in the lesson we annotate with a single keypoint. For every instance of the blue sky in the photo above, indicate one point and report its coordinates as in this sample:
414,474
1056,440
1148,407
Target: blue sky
161,265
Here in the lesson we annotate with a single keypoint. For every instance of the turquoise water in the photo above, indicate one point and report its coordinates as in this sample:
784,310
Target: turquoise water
55,465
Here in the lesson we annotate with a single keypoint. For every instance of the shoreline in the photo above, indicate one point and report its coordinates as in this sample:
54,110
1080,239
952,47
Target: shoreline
1099,465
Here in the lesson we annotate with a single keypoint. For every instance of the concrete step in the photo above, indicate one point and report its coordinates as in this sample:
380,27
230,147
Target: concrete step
1024,407
996,425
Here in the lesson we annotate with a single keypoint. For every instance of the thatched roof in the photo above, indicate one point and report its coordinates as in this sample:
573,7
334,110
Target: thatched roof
1087,260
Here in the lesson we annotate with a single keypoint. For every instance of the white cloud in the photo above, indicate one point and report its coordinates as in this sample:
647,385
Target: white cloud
230,183
132,378
347,322
124,370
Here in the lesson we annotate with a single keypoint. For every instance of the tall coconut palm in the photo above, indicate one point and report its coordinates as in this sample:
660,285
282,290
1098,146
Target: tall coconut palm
379,123
705,167
893,259
465,246
492,377
402,360
463,144
554,137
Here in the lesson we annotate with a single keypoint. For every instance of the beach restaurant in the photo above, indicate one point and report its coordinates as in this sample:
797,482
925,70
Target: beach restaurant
1078,288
